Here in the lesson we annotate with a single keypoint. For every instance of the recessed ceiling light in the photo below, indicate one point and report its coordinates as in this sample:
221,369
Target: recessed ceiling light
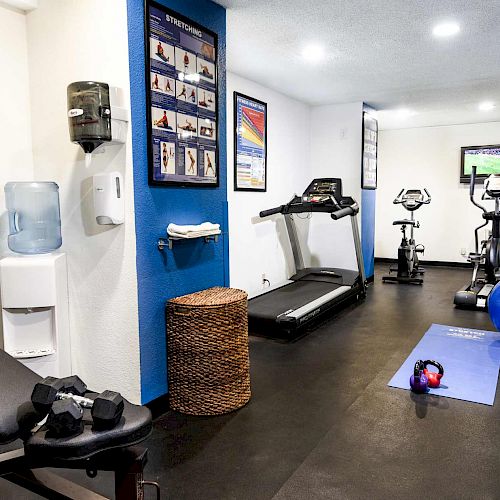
486,106
405,112
445,29
313,53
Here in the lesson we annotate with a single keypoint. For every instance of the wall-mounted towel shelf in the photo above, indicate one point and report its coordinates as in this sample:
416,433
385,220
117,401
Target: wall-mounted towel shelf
169,242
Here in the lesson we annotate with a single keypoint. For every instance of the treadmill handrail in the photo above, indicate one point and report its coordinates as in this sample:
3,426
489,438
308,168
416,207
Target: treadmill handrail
296,205
344,212
271,211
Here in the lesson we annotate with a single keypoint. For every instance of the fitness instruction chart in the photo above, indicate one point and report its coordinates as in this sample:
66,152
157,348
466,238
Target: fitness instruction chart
250,143
181,100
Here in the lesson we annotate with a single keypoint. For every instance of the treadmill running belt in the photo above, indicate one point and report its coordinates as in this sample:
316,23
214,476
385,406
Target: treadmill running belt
292,296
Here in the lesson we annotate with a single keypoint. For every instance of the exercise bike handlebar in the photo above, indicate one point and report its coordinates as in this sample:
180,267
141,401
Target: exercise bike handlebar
398,197
271,211
399,200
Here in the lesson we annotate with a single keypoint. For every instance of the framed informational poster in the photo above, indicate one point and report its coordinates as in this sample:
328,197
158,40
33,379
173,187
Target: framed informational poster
370,138
181,76
250,144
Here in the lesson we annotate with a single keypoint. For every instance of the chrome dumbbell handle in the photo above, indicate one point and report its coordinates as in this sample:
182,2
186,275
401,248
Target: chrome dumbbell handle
83,402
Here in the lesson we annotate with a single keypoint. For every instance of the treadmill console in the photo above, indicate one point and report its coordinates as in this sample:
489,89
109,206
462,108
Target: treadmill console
326,191
322,195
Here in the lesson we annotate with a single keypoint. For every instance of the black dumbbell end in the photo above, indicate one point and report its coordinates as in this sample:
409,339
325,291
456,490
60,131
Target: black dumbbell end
74,384
45,393
107,410
65,419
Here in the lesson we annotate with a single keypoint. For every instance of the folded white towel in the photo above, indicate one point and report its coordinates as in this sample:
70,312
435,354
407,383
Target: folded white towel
186,229
196,234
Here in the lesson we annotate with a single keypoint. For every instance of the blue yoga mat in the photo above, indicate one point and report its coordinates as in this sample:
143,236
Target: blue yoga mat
471,361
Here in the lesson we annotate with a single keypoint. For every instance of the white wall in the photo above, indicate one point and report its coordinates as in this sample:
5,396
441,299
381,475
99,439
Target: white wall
303,143
260,246
429,157
336,133
69,41
16,160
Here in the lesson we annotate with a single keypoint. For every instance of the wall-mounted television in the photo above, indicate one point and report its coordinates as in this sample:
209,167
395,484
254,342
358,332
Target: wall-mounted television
486,159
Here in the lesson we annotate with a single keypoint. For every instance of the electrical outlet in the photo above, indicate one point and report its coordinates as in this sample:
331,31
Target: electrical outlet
265,281
463,252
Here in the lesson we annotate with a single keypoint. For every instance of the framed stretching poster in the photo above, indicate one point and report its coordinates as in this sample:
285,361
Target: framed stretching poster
181,77
370,139
250,144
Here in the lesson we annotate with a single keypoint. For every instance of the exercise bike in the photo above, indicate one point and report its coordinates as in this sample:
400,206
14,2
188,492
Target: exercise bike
408,268
485,258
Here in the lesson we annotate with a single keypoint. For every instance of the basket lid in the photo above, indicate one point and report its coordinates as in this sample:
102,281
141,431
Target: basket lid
215,296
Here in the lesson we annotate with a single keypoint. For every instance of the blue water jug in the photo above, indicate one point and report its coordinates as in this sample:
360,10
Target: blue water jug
34,217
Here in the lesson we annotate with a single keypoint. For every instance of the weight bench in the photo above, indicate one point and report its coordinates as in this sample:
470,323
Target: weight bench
26,449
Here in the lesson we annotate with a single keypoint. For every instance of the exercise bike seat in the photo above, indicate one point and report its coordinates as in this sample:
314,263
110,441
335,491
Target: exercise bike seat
404,222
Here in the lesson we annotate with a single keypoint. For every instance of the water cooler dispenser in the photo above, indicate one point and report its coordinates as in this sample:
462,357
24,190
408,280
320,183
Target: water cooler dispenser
34,283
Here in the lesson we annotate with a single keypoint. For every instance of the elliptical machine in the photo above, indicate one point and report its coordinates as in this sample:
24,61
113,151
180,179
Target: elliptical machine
408,269
487,257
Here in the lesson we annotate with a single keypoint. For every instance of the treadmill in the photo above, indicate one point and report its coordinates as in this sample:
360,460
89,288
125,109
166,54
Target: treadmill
315,292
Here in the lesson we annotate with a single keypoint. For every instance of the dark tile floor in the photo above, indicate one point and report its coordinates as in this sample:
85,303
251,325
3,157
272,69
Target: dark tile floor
322,422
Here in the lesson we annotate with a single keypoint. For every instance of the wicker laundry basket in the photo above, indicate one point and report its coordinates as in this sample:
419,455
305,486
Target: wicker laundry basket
208,366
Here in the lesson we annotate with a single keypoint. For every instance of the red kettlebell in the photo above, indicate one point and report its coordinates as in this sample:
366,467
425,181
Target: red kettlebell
434,378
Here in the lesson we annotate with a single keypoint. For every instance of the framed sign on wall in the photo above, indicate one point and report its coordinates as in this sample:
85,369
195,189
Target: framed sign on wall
182,109
250,144
369,157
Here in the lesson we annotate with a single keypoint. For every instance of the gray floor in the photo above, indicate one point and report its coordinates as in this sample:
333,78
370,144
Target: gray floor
322,422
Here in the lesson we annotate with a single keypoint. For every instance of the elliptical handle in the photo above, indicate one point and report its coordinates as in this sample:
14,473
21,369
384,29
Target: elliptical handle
429,198
472,184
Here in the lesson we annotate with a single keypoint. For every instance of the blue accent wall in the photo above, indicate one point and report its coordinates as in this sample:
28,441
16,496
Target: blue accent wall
191,265
368,197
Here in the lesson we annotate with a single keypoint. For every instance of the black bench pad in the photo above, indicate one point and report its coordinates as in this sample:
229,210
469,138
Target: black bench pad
17,415
135,426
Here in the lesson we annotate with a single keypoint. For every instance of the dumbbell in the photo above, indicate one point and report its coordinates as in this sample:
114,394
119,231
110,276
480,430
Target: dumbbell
65,409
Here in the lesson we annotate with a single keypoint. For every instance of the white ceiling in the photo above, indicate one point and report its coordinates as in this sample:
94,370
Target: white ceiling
379,51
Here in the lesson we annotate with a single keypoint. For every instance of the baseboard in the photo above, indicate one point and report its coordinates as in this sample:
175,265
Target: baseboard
159,406
430,263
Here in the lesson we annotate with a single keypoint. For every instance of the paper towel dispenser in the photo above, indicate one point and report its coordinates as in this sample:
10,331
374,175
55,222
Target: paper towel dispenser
93,117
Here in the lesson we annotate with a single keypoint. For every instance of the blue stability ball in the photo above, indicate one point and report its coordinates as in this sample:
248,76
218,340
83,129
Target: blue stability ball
494,306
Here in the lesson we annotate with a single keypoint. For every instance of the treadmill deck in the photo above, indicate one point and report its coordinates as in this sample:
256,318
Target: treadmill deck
292,296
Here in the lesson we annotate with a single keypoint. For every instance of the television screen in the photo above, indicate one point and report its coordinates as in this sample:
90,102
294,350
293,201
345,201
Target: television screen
486,159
